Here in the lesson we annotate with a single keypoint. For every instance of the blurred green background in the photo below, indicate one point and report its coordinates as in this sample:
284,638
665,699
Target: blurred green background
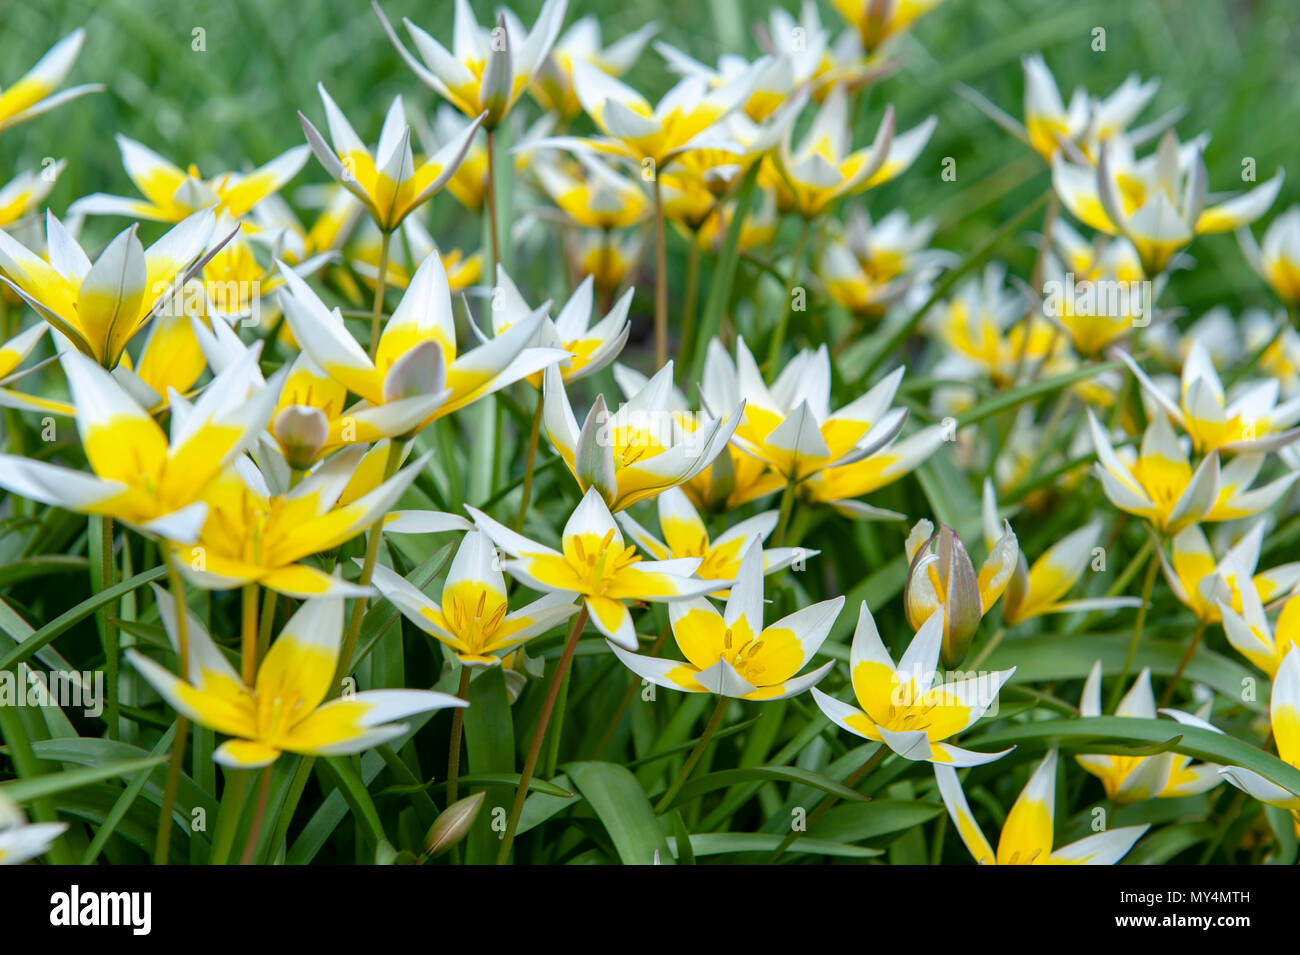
1231,65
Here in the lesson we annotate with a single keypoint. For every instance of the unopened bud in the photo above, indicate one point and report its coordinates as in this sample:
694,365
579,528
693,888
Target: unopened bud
453,824
942,574
301,431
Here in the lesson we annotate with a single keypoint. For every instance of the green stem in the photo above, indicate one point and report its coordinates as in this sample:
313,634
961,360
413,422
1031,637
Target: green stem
176,761
535,748
686,347
624,703
1182,664
989,647
492,207
381,284
265,624
796,269
103,577
248,636
661,279
353,632
232,804
530,463
1153,565
825,805
457,722
28,766
259,814
715,721
783,520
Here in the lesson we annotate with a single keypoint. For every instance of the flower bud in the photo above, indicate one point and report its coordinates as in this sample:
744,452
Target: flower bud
941,574
419,372
453,824
301,431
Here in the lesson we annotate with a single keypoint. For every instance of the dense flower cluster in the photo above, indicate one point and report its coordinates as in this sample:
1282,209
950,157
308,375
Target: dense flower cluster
346,424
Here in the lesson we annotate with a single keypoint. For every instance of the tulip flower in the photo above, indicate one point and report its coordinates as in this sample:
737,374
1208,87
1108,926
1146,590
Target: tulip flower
734,477
1252,421
900,705
686,535
254,535
553,83
941,576
21,841
1277,259
596,564
1037,590
638,450
416,362
387,181
823,169
1251,634
1088,121
486,70
1158,482
790,426
1284,715
687,117
284,710
416,245
33,93
1095,290
871,266
831,456
592,194
172,194
988,336
1028,832
140,474
26,191
12,354
474,620
1130,779
1159,202
101,306
731,653
1201,581
590,347
880,20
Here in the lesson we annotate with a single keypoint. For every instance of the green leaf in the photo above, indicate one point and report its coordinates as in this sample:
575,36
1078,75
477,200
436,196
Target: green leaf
726,843
74,616
763,774
854,823
1050,657
1078,734
623,808
25,790
357,797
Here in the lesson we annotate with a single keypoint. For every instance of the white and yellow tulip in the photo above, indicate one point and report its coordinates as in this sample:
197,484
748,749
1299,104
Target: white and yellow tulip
1284,715
141,475
1029,829
638,450
1130,779
487,68
597,565
474,620
731,653
387,180
285,710
100,306
34,92
900,705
